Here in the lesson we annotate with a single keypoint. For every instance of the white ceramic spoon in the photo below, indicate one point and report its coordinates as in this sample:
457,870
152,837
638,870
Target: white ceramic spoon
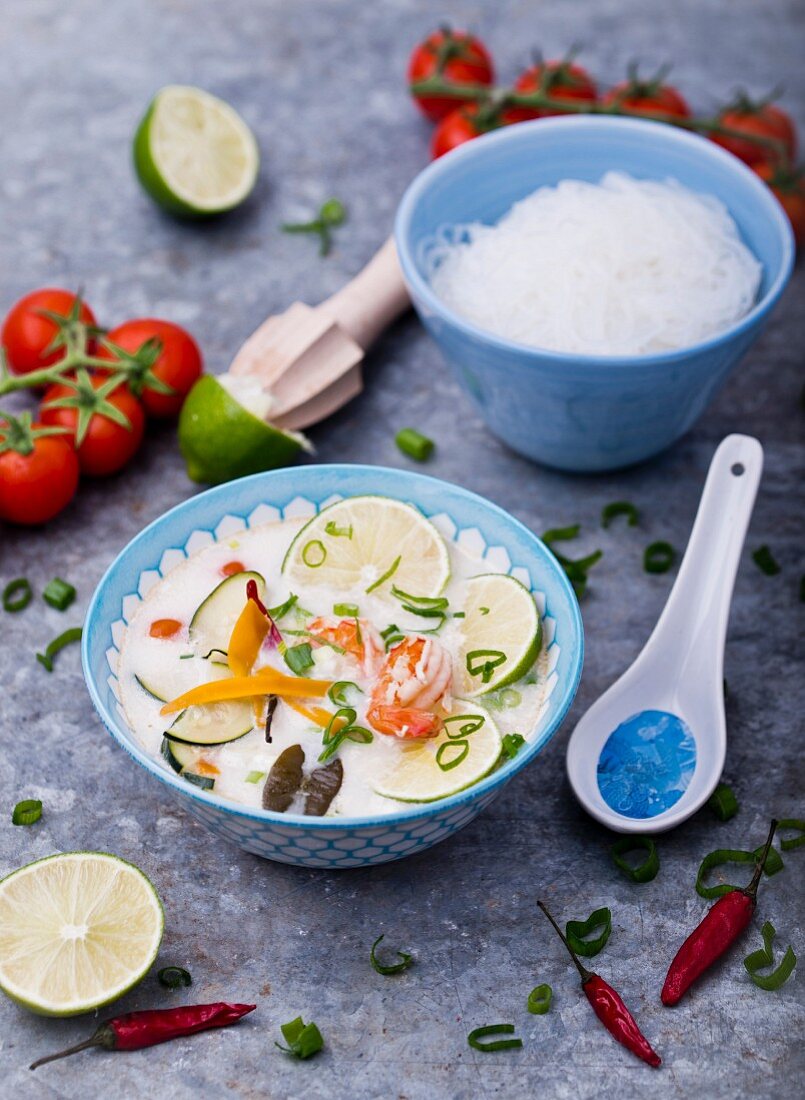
678,673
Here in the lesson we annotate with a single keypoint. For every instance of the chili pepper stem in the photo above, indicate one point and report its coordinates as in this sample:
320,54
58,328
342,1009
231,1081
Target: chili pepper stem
751,889
583,971
95,1040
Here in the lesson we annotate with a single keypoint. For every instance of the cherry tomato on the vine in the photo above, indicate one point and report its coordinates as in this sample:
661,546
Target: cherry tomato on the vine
763,120
651,97
36,486
179,363
460,126
26,334
789,189
560,79
466,61
107,446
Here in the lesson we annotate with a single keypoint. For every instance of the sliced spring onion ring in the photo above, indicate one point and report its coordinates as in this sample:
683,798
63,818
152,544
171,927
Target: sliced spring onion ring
392,569
511,744
643,872
658,557
773,864
474,1038
576,930
483,662
304,1040
428,607
539,999
471,724
765,561
447,765
314,554
27,812
67,638
59,594
346,610
792,841
392,636
332,528
414,444
561,534
723,802
336,692
17,595
282,609
390,968
620,508
174,977
575,570
255,777
299,658
764,957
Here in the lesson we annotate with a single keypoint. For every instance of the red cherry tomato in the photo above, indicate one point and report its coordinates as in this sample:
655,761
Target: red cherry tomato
26,335
231,568
562,80
460,126
35,487
763,120
179,363
789,188
164,628
466,62
650,97
107,446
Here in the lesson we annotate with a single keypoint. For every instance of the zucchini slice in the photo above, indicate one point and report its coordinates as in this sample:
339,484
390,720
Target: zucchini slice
183,758
215,617
213,723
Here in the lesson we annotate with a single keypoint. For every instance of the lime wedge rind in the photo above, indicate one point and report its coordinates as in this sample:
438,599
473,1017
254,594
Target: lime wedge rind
511,624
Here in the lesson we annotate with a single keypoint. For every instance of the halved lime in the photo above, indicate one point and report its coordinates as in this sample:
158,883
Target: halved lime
369,543
467,749
76,931
501,633
194,154
221,440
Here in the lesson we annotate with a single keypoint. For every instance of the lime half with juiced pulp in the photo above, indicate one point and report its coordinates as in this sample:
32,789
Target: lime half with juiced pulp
501,633
194,154
220,439
77,931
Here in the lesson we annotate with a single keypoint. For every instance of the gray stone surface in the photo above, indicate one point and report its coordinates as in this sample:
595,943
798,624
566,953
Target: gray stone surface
322,84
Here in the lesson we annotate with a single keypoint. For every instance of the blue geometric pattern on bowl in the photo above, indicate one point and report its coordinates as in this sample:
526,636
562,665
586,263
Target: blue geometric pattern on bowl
220,513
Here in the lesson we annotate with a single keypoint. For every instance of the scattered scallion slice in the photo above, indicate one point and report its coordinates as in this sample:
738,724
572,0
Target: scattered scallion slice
392,636
59,594
174,977
764,957
483,662
333,737
331,528
643,872
427,607
392,569
336,692
511,744
576,569
346,610
304,1040
27,812
723,802
539,999
765,561
658,557
474,1038
282,609
414,444
504,699
331,214
561,534
255,777
389,968
65,639
577,930
619,508
314,554
299,658
470,723
793,841
773,864
447,763
17,595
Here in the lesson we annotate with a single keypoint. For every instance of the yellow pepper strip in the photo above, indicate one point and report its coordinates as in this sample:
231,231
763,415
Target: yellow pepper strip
317,715
265,682
247,636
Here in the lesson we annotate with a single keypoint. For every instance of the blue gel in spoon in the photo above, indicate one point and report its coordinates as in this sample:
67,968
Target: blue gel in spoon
646,764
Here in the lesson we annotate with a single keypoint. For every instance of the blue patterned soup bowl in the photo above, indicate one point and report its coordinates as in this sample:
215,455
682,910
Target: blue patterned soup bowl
571,411
218,514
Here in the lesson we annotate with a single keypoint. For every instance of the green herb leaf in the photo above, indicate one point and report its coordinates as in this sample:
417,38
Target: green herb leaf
346,610
658,557
304,1040
793,841
643,872
576,930
392,569
723,802
299,658
332,528
67,638
255,777
511,744
59,594
174,977
414,444
539,1000
619,508
764,560
314,554
764,957
17,595
718,858
390,968
336,692
27,812
474,1038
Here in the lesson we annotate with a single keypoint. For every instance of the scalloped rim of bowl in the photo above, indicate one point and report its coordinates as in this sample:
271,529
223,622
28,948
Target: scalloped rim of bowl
126,738
478,147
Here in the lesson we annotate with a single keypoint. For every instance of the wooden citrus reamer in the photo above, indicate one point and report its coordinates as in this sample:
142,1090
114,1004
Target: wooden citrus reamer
308,359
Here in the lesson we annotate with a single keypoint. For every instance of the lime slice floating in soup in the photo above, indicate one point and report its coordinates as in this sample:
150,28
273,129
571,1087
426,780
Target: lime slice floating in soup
501,633
369,543
434,767
76,931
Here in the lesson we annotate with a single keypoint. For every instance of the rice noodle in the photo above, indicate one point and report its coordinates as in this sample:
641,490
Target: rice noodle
623,267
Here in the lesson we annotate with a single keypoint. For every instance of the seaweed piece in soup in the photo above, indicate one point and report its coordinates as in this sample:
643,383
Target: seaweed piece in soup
284,779
322,787
271,706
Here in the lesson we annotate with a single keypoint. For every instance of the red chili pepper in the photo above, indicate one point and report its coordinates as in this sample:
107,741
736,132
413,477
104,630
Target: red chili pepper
609,1007
274,635
136,1030
721,927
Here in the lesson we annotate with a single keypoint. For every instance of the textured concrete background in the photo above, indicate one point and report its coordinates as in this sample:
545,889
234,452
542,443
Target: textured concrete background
322,85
